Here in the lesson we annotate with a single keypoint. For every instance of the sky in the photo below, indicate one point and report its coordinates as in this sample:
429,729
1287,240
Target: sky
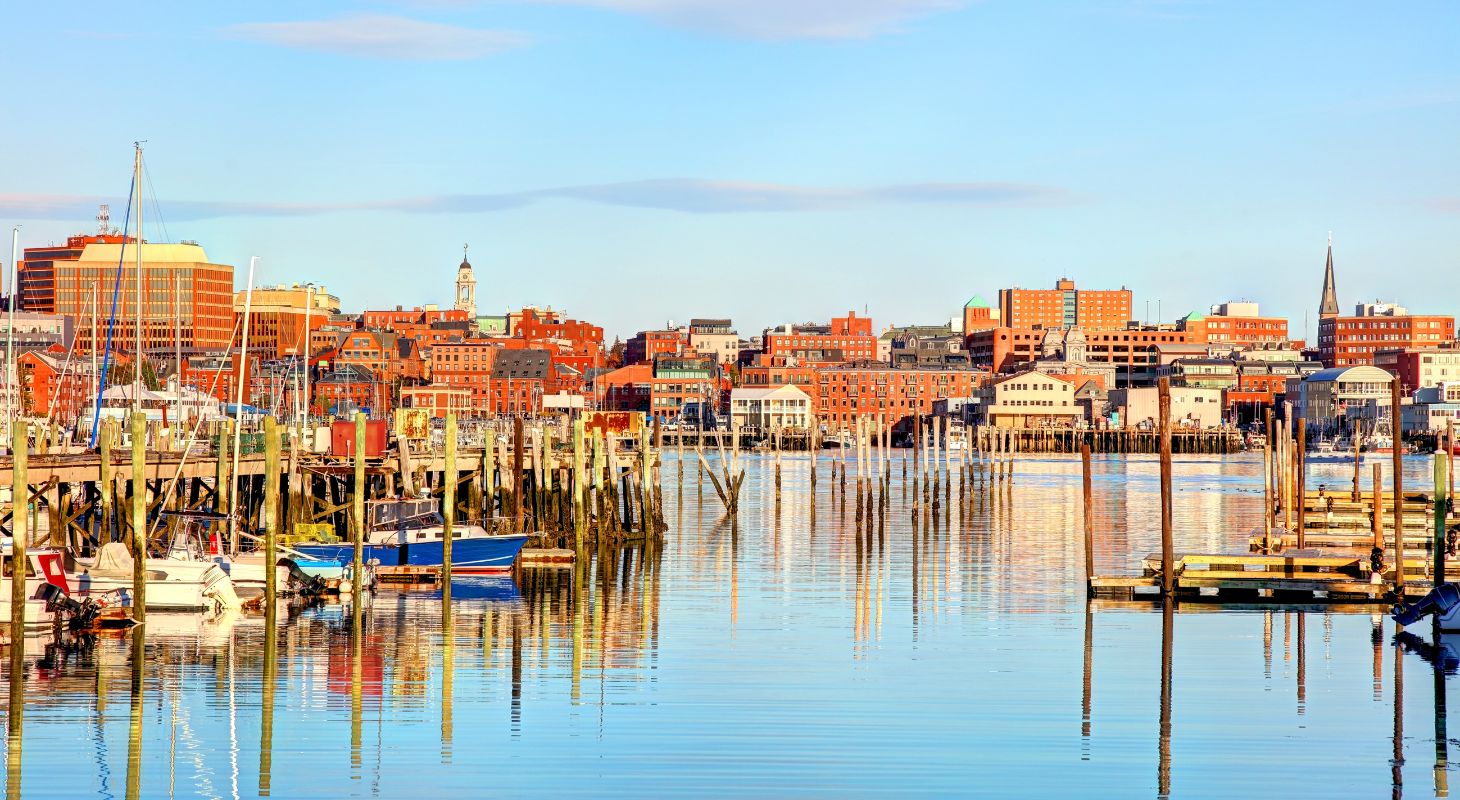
639,161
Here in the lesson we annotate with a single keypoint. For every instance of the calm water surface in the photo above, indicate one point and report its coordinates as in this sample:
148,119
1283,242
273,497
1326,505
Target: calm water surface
794,656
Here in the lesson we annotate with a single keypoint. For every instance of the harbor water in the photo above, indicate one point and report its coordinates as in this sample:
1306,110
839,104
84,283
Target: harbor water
946,652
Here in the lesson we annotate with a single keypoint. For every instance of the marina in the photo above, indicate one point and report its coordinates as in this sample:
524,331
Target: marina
559,668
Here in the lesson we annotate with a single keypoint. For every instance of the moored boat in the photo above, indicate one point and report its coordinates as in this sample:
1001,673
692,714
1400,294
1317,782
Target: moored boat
409,532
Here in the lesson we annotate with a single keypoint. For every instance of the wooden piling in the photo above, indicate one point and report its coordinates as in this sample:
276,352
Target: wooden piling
104,482
580,498
139,516
448,500
357,505
1442,507
1398,481
1358,460
19,538
1376,495
1267,515
1089,517
519,444
1168,548
1300,481
271,511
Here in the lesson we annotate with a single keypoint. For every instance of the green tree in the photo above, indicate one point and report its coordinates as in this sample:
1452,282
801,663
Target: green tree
122,375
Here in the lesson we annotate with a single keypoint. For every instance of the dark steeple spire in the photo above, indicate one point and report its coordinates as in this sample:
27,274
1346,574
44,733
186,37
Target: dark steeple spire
1328,307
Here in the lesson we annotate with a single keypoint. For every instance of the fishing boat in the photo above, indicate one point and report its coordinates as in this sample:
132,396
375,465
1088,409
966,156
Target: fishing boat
1322,446
409,532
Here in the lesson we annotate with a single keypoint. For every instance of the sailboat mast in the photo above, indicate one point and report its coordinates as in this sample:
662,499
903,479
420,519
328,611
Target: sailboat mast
95,323
177,340
137,365
238,407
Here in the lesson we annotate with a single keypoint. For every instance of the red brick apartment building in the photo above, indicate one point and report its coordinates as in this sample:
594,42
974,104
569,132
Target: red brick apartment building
999,349
846,339
881,392
1347,341
1065,306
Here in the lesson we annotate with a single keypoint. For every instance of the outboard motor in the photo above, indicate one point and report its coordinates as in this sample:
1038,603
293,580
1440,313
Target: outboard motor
306,584
1440,599
80,614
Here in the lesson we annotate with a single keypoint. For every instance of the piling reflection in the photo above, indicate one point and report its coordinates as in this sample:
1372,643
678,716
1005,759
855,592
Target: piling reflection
267,689
1163,747
15,721
134,727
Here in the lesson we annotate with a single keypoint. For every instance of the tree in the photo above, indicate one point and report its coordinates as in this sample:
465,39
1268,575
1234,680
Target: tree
615,354
122,375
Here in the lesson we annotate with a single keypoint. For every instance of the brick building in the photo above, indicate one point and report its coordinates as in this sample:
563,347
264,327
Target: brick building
1347,341
52,386
178,282
1002,349
645,346
1065,307
881,392
1236,324
845,339
1421,367
278,315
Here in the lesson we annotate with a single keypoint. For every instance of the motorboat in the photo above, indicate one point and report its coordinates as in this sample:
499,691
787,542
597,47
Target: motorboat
174,583
39,613
410,532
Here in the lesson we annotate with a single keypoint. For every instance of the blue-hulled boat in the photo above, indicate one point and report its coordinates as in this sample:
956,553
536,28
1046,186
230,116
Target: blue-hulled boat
408,532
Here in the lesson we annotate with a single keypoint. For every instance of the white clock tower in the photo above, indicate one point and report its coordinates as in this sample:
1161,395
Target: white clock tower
466,287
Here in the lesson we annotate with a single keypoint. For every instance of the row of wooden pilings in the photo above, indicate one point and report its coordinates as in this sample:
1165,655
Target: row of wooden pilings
1284,492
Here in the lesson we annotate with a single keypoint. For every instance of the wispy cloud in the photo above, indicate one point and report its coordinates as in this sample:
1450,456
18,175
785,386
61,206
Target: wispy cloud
1444,205
778,19
381,36
687,195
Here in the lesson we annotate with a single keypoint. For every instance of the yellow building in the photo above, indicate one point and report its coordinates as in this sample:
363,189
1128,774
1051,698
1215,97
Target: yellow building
277,318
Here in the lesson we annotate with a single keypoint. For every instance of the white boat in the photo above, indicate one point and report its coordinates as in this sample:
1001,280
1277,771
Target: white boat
38,613
173,583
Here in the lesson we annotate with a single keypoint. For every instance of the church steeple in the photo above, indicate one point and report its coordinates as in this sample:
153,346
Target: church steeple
1328,306
466,286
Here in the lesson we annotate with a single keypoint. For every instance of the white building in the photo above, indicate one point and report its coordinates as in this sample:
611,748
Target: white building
783,407
1191,406
1028,400
1326,397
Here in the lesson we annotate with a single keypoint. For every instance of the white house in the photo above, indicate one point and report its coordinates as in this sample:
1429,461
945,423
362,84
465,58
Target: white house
783,407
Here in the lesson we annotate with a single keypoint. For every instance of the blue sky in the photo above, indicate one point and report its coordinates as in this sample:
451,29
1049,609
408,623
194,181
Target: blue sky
769,160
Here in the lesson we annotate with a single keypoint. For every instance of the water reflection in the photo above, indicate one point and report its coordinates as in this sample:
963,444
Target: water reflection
929,642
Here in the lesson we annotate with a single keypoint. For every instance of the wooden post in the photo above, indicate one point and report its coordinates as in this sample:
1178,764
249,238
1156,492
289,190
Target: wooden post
489,478
1376,499
1168,548
1301,480
1398,480
1358,460
357,505
271,510
519,443
1442,506
448,501
580,514
104,481
646,484
139,516
223,500
1089,518
19,537
1267,515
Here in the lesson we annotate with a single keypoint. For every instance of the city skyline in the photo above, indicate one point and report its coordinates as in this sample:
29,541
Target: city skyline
637,161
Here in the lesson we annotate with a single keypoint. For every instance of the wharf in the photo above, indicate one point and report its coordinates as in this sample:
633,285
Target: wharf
1298,575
